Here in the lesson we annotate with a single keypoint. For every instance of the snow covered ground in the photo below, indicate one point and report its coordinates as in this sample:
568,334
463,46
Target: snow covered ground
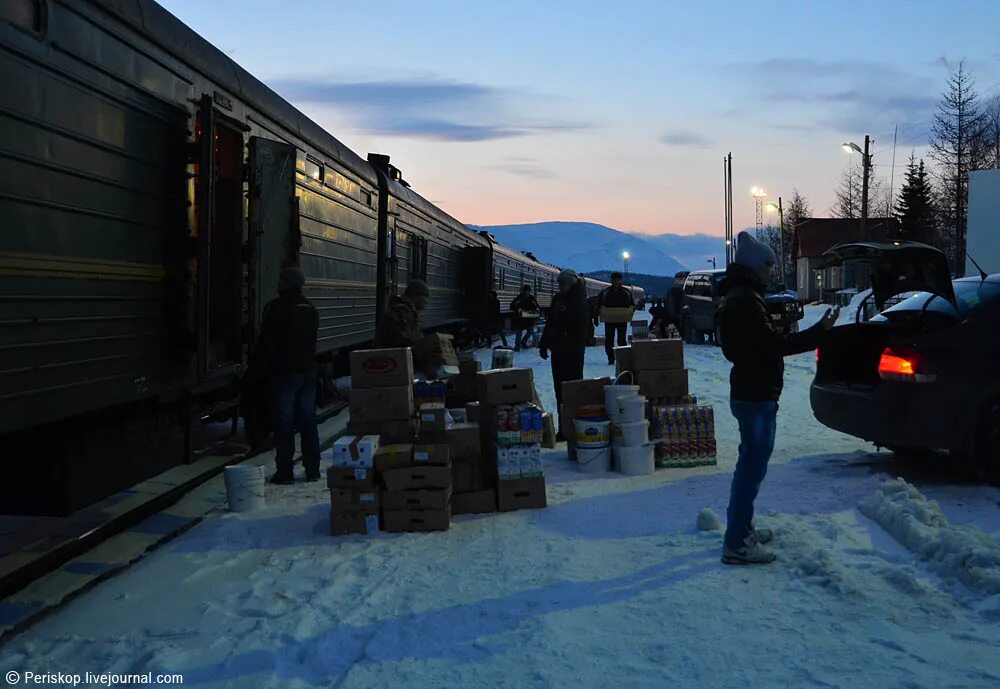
877,584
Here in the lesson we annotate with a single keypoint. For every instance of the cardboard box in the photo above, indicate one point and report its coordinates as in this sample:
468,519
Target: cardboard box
658,355
389,432
473,411
429,499
349,477
464,441
417,478
479,502
623,360
433,420
548,431
657,384
381,404
346,523
381,368
398,521
393,456
467,476
365,500
461,389
437,455
506,386
616,314
355,451
521,494
438,351
469,367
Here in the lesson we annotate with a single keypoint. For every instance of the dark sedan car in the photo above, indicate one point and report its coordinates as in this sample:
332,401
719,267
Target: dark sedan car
924,374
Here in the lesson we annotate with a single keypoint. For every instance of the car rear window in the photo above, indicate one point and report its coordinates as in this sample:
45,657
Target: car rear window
969,294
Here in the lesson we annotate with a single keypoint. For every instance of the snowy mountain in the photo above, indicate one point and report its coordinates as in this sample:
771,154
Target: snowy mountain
692,250
586,247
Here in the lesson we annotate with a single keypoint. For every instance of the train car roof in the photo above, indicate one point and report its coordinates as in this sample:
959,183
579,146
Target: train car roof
411,197
167,31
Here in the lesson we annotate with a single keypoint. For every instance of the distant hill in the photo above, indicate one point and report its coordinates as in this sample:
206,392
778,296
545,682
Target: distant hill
586,247
655,285
693,251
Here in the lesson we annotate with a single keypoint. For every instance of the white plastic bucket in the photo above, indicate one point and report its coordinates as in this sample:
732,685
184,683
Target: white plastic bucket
630,434
592,433
613,392
631,409
245,488
635,461
591,460
503,358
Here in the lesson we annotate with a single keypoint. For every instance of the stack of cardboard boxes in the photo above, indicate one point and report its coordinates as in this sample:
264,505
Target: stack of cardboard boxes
511,432
657,367
354,495
417,487
381,397
577,394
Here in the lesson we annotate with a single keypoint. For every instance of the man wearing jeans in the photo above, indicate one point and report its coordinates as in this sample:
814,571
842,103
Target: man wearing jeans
286,348
756,351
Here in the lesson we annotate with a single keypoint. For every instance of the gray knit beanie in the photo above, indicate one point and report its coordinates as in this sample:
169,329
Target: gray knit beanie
752,253
568,275
292,278
417,288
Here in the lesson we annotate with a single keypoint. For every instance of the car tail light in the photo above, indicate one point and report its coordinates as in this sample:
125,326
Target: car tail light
904,367
817,355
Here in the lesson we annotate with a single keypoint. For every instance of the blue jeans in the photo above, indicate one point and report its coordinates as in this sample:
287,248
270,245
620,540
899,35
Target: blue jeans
758,423
521,341
295,406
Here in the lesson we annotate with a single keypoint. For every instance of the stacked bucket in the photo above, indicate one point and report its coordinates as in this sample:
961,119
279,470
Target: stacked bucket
634,455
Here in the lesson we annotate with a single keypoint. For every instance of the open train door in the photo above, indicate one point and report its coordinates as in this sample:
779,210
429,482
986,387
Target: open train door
273,243
273,227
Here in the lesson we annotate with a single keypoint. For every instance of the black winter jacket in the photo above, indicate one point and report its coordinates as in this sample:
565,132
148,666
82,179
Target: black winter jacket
566,328
287,342
524,303
751,343
617,297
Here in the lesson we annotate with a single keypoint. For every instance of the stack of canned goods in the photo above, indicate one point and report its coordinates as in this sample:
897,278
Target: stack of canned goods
430,393
686,431
519,424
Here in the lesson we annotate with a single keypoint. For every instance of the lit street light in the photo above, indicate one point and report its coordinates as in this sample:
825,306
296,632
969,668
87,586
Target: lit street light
625,257
850,148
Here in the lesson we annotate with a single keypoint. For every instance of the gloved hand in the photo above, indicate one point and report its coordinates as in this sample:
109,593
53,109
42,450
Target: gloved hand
544,353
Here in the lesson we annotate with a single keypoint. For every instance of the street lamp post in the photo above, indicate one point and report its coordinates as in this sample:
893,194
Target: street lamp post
866,167
759,194
625,258
776,207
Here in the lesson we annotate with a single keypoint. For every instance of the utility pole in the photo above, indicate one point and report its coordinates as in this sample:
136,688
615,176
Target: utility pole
866,173
729,186
725,203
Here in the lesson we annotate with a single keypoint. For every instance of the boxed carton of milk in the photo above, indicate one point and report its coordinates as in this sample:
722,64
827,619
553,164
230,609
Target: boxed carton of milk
355,451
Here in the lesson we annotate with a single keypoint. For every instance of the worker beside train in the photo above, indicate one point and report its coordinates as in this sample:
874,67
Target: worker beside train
400,325
565,333
493,320
617,297
526,313
285,361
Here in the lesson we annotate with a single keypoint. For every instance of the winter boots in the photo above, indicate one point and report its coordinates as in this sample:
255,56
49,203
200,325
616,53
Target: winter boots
752,552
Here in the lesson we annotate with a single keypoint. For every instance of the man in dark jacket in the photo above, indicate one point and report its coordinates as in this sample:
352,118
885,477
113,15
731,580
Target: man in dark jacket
756,350
400,324
525,302
616,296
286,349
565,332
493,322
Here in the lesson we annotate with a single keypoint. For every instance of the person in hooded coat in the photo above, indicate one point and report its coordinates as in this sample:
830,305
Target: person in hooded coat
757,353
566,331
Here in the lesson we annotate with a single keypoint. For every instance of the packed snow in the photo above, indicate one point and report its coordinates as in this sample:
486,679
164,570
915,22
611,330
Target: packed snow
885,578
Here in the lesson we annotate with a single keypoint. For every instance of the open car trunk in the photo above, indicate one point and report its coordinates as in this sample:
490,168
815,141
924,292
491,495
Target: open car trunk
850,354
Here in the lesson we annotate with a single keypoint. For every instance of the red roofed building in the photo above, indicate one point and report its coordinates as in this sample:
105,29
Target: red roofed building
815,236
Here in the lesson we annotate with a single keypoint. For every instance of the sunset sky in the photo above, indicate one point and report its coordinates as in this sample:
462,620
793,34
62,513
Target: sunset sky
615,113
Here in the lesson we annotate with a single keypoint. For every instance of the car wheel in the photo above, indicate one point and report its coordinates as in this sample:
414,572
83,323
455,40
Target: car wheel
988,442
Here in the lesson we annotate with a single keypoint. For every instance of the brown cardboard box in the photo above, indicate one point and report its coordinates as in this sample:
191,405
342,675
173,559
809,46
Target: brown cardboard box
345,523
548,431
576,394
472,411
435,455
467,475
381,404
521,494
461,389
388,432
479,502
506,386
469,367
656,384
658,355
393,456
365,500
623,360
417,478
433,420
349,477
381,368
398,521
464,441
437,349
430,499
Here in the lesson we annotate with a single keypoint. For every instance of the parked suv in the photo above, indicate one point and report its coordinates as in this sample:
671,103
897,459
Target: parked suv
702,295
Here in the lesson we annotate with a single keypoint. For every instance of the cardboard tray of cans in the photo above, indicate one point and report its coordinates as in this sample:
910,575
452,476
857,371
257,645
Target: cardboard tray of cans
518,424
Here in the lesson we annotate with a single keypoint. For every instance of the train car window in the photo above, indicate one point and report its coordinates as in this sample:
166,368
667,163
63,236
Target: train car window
24,14
314,169
503,279
366,197
418,259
